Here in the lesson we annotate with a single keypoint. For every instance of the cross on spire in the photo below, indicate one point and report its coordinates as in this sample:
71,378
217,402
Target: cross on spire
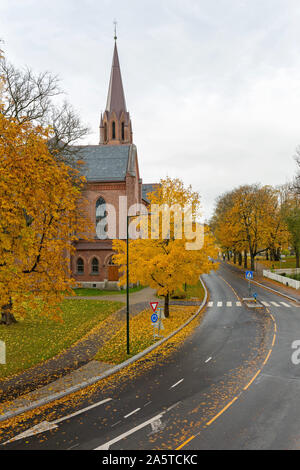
115,23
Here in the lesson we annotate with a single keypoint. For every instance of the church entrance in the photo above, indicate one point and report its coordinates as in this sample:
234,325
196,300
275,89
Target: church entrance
113,270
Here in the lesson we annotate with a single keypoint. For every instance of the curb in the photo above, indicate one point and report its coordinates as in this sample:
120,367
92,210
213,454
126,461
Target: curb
276,291
93,380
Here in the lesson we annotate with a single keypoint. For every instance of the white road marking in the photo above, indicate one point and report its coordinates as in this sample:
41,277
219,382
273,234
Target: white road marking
81,411
115,424
286,305
108,444
132,413
210,304
177,383
38,429
148,403
72,447
207,360
265,304
156,426
238,304
157,418
219,304
46,426
275,304
228,304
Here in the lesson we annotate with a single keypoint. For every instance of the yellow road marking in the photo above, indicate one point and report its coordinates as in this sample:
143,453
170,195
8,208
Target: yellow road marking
186,442
251,381
222,411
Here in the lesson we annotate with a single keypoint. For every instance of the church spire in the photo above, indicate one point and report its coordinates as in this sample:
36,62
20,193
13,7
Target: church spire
116,98
115,127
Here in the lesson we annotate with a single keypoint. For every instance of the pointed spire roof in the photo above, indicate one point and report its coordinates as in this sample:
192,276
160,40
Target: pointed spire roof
116,98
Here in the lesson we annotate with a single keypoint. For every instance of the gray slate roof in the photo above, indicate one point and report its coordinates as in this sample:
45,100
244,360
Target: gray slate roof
104,163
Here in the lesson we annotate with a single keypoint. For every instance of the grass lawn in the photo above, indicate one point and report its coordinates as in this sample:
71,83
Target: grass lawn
35,338
196,291
141,334
87,292
289,262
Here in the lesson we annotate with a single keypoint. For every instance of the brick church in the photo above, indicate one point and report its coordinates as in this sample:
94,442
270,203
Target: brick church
112,173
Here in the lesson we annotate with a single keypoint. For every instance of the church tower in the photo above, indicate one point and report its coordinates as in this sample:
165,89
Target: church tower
115,125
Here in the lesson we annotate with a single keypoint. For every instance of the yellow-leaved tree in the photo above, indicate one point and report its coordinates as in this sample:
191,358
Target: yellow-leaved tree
174,249
40,219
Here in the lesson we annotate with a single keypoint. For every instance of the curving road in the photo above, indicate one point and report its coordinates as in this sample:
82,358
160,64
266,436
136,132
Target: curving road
231,385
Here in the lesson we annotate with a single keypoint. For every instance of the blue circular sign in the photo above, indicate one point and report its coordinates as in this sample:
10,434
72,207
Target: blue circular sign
154,318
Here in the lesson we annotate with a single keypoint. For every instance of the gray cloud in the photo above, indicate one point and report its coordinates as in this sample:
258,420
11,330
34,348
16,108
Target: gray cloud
212,86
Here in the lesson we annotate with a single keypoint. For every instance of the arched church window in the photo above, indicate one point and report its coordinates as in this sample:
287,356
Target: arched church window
101,223
105,132
113,130
95,266
80,266
123,131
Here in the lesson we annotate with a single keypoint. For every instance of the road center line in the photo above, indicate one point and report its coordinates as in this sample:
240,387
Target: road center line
207,360
132,413
177,383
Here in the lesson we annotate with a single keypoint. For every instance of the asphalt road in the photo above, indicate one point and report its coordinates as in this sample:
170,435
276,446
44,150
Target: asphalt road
231,385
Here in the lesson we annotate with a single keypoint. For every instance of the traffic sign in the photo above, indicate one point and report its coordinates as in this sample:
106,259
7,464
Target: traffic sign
154,305
154,318
249,275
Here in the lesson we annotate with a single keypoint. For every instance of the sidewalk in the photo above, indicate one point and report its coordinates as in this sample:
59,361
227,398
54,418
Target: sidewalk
85,375
73,358
82,352
258,277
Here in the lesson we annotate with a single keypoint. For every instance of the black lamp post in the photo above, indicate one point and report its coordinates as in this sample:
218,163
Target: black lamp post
127,282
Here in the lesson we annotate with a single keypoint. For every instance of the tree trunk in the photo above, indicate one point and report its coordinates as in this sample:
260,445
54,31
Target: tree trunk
7,317
240,258
267,255
245,260
167,310
234,257
252,262
297,252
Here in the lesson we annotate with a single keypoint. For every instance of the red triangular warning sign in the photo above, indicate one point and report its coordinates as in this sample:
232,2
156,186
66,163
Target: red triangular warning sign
154,305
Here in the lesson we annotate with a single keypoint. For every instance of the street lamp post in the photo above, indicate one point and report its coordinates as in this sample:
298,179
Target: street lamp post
127,282
127,286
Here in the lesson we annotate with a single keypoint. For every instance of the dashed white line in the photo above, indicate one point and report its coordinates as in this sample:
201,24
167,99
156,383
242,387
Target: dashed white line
115,424
265,304
238,304
286,305
177,383
228,304
275,304
132,413
210,304
219,304
148,403
207,360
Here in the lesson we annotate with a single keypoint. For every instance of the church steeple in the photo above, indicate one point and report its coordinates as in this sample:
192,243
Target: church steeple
115,127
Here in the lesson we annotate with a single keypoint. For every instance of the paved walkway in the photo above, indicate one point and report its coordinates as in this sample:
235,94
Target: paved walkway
78,356
145,295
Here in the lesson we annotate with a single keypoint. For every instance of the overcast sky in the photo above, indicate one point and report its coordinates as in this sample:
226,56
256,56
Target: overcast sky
213,86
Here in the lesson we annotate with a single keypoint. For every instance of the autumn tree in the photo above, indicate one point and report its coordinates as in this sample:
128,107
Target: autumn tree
30,97
40,219
165,257
251,221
